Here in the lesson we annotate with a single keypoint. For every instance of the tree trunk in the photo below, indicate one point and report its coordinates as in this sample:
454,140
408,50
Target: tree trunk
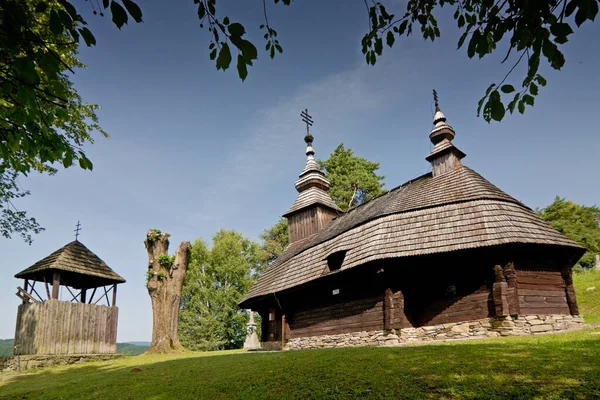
164,285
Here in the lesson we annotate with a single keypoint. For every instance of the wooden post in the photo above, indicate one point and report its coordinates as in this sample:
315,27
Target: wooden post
114,296
26,289
388,310
567,274
282,331
55,284
82,296
499,291
512,293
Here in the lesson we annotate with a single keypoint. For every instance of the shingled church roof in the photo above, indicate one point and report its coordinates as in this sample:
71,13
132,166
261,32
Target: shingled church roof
442,211
79,267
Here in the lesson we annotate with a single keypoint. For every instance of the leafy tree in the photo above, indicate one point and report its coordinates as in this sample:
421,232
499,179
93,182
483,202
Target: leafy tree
216,281
274,240
577,222
43,120
353,179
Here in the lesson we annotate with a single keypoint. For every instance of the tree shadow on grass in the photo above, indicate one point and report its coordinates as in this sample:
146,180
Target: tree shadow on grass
539,367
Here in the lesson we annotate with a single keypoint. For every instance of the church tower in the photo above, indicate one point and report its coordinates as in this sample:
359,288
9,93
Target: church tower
445,156
313,209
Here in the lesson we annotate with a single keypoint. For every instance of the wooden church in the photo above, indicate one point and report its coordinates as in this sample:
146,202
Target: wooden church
83,321
446,255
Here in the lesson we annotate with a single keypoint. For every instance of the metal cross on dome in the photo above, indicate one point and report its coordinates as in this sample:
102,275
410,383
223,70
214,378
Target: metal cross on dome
76,230
307,119
435,98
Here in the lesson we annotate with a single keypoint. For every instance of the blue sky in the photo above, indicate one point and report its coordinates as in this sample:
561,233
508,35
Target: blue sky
194,150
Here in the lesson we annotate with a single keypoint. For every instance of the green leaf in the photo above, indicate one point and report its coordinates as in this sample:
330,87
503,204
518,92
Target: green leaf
236,29
461,21
241,67
224,58
133,10
105,3
278,47
88,37
570,8
521,106
201,10
56,25
512,104
390,38
402,27
226,21
528,99
211,8
473,43
68,159
461,41
533,89
561,29
580,16
497,109
213,54
558,60
249,50
378,46
549,49
507,88
119,16
541,80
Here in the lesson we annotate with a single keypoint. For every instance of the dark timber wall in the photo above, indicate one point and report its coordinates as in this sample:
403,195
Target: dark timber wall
421,291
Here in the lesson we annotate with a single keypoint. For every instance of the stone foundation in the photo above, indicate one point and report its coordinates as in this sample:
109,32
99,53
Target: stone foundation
478,329
41,361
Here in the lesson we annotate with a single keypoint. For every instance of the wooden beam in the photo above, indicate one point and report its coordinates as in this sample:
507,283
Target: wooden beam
388,310
26,297
114,296
55,284
47,288
82,296
106,295
92,296
282,331
74,296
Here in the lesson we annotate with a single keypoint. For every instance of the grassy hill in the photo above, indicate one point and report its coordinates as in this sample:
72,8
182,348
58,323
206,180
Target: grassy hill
129,349
588,300
556,366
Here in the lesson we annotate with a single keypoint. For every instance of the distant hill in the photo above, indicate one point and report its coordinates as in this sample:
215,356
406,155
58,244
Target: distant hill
129,349
147,344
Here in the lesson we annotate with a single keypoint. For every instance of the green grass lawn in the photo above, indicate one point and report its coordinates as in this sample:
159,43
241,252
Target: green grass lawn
547,367
560,366
588,300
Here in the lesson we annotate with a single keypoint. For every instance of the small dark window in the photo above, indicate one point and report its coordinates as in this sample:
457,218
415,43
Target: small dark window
335,260
272,314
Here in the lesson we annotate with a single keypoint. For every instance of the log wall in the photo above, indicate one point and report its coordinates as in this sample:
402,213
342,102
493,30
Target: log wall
60,327
473,306
542,292
364,314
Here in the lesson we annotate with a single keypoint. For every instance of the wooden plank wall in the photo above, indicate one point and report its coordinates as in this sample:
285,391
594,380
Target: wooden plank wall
60,327
542,292
476,305
302,224
365,314
308,222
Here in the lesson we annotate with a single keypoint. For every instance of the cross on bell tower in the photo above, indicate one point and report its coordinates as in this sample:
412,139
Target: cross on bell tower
76,230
